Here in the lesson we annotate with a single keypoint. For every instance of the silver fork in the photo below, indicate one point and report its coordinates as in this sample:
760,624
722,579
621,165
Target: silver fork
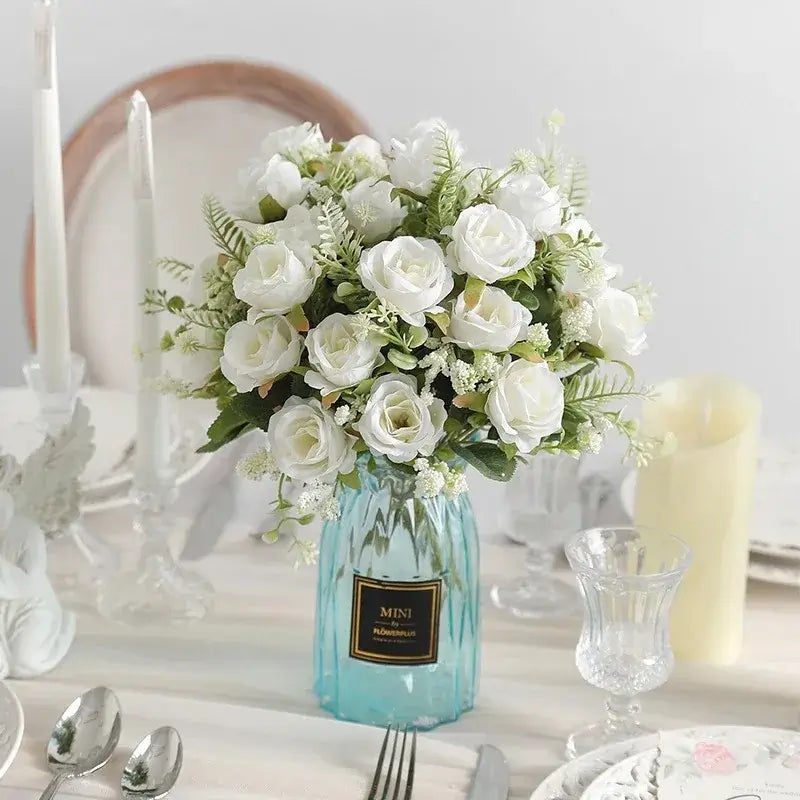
394,778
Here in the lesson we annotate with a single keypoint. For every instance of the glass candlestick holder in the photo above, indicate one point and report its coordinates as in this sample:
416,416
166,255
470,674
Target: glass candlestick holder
78,561
154,588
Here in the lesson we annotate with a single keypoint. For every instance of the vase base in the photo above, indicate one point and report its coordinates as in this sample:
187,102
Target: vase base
362,714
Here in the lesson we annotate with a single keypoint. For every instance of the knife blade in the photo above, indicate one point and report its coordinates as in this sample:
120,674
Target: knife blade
492,776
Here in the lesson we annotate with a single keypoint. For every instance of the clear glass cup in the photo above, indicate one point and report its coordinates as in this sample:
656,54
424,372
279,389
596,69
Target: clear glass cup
543,511
628,579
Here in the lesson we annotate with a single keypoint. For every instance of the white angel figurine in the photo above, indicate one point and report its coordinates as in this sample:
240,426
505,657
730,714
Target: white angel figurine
35,631
38,496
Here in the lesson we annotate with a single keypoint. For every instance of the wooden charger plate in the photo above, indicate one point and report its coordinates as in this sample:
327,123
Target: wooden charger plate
208,119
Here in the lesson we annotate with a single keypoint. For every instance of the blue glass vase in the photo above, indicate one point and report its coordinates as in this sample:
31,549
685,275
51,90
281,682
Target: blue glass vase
397,637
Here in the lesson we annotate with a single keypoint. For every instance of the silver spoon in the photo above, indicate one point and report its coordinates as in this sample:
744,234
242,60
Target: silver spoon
84,738
154,765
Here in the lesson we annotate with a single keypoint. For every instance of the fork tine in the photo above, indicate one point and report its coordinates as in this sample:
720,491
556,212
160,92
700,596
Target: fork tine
373,791
399,780
411,763
387,786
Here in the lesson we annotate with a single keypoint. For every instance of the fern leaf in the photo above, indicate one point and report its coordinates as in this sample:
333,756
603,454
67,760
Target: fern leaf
226,232
444,201
339,250
596,390
178,269
575,185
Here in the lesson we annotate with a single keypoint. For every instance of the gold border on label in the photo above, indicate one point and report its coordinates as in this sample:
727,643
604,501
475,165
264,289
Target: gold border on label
434,586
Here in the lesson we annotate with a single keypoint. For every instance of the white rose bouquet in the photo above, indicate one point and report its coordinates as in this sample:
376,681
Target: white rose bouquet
401,303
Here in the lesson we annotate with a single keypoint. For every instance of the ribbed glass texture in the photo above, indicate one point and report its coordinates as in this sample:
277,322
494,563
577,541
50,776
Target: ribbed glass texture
387,534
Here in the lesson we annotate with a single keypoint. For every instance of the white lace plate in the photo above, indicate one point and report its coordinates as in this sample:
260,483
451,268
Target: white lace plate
570,781
635,777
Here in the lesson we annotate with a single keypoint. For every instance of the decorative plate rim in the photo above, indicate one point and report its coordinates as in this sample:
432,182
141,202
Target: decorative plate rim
9,702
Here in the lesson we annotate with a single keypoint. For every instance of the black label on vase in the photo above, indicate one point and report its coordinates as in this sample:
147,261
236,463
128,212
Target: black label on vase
395,622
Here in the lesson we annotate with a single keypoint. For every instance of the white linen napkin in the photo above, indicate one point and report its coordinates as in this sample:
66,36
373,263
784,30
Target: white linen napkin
240,752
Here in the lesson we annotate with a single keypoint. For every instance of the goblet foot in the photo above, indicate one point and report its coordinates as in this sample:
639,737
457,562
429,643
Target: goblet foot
536,598
604,733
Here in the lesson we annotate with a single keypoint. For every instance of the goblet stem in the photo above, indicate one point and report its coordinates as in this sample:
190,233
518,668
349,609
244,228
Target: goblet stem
539,560
623,714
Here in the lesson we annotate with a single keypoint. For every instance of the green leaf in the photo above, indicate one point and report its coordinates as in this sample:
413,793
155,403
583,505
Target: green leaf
592,350
527,351
509,449
364,386
297,319
271,210
227,234
402,360
321,303
398,192
228,425
475,401
306,519
522,294
175,303
488,459
441,319
351,479
473,291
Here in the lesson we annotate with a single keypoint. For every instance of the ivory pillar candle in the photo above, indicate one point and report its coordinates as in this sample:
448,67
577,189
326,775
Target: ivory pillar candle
52,310
701,489
152,423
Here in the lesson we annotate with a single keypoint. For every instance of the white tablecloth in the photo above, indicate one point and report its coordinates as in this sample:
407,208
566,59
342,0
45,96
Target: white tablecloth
254,650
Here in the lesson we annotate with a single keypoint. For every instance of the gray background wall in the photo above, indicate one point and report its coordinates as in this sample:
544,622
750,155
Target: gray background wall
687,112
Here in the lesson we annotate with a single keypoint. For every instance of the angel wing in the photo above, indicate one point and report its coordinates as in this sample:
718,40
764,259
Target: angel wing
49,490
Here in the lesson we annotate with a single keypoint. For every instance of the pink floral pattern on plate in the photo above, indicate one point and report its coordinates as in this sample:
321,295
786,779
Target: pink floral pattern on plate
714,758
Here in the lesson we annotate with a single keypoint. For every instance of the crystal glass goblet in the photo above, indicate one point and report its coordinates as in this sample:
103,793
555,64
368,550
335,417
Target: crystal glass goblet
628,578
544,510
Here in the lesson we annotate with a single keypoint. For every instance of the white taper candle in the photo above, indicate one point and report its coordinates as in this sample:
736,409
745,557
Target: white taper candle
152,437
52,309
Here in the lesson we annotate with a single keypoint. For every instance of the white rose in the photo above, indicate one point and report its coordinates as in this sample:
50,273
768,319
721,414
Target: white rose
364,156
297,142
278,178
397,423
369,208
255,354
494,324
489,244
307,444
339,358
274,280
617,327
412,159
529,198
526,404
409,273
298,231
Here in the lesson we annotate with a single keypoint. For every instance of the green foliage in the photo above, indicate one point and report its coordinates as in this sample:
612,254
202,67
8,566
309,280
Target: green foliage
444,202
488,459
594,391
228,235
178,269
575,184
271,210
339,250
